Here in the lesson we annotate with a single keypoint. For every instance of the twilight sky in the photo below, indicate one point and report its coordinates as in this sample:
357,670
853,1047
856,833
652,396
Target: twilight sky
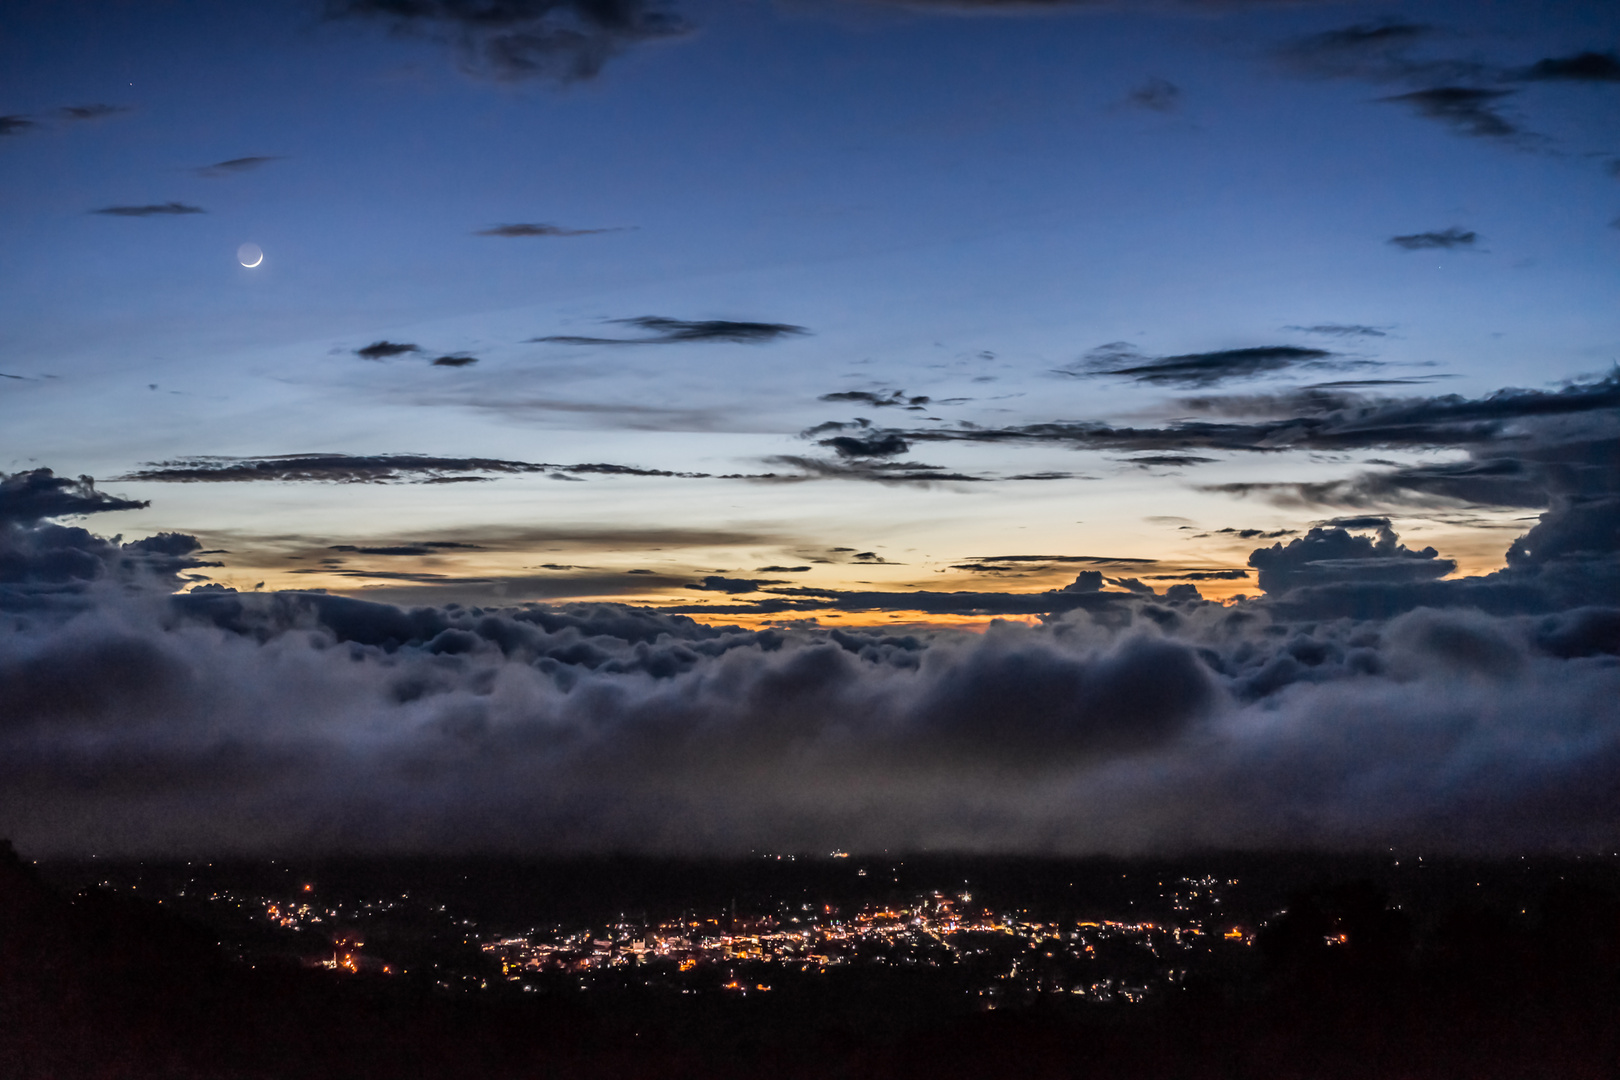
700,381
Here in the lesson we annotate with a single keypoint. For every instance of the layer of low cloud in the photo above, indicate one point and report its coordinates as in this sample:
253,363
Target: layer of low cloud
1363,701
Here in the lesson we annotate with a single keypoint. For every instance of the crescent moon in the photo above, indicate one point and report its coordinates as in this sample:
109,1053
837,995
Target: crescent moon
250,255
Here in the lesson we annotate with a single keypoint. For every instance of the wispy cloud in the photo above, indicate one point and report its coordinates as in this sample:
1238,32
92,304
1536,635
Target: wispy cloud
168,209
1342,330
663,331
515,40
1595,67
234,166
372,469
385,350
1450,239
1468,110
882,445
1207,368
541,229
75,113
1322,420
1155,95
882,399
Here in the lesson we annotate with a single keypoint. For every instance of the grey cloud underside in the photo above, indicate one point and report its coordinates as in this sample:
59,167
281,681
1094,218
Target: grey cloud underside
659,330
514,40
15,125
168,209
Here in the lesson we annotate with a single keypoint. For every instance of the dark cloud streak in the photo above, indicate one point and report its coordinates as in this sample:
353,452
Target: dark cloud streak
369,469
540,229
1465,109
168,209
1209,368
664,331
1451,239
1593,67
384,350
233,167
79,113
515,40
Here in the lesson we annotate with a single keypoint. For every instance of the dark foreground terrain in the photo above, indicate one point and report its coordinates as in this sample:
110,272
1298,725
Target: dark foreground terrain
1468,979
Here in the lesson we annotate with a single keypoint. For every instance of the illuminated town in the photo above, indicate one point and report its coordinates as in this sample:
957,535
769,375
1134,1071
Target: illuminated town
1000,956
889,967
935,930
